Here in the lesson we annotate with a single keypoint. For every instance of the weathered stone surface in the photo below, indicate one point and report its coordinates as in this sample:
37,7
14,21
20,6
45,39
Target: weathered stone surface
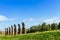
14,29
23,28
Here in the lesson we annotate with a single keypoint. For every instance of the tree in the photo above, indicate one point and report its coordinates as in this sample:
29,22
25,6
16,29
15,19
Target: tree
33,29
23,28
53,26
43,27
14,29
19,30
49,27
28,30
59,25
38,28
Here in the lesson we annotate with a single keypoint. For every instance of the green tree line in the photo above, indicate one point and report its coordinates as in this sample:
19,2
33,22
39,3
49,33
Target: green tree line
44,27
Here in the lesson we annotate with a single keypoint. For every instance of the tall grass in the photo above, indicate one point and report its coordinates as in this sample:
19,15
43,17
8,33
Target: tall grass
48,35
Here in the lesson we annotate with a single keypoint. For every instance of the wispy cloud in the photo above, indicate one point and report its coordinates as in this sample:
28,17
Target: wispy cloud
4,18
52,20
32,20
48,20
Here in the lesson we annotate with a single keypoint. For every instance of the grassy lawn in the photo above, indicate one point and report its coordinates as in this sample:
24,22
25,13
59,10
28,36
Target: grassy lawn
48,35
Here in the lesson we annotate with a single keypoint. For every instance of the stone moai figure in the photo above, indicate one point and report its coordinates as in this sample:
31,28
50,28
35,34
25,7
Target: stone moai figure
19,29
23,28
7,31
14,29
11,30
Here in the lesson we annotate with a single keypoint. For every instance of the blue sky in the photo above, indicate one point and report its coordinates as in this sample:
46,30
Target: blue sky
32,12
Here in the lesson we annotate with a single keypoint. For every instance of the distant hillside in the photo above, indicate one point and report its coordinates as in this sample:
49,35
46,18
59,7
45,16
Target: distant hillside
48,35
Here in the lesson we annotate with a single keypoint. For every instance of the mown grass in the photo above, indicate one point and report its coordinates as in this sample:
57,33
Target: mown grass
48,35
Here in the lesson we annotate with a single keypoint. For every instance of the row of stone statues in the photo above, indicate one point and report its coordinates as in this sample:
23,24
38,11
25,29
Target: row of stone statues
13,30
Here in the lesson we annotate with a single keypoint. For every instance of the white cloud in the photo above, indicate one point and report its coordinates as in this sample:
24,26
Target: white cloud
4,18
35,20
52,20
40,20
32,20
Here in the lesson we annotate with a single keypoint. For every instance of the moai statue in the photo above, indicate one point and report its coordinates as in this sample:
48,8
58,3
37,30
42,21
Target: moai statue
19,29
14,29
23,28
7,31
11,30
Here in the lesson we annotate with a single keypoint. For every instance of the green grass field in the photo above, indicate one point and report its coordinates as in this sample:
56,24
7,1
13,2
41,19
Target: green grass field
48,35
